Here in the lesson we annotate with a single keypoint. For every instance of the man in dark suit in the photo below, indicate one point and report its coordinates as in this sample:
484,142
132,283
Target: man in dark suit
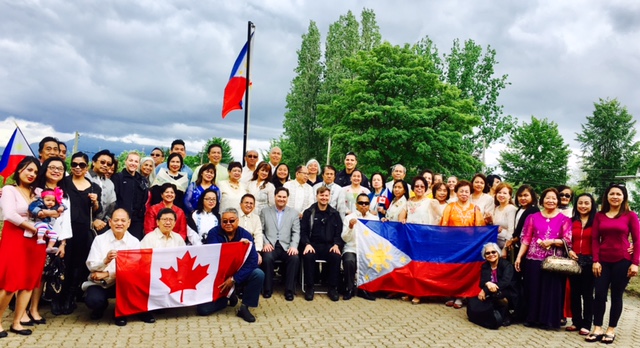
281,231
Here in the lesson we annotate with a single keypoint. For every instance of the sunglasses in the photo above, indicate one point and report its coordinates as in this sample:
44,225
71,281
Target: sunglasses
105,162
252,156
156,155
363,203
492,252
564,195
230,221
76,164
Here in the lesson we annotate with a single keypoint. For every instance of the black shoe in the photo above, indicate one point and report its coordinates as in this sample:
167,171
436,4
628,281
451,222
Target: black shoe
121,321
309,294
233,300
55,308
333,295
147,318
366,295
96,314
40,321
288,295
348,295
3,334
244,313
23,332
267,294
27,323
506,321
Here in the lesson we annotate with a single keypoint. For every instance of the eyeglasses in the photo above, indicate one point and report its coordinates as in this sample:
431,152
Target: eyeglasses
167,219
252,156
363,203
210,199
82,165
55,169
492,252
103,162
156,155
565,195
230,221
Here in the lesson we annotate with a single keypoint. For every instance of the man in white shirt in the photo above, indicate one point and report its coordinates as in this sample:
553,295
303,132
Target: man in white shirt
300,193
163,236
251,159
275,156
397,173
349,259
101,262
214,153
337,201
251,222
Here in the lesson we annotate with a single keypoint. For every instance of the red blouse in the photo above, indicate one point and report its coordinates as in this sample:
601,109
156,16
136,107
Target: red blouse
581,238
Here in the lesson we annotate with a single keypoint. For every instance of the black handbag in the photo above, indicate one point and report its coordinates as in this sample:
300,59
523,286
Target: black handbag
53,277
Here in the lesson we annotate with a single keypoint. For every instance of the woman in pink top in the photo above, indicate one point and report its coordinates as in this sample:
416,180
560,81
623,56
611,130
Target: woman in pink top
613,265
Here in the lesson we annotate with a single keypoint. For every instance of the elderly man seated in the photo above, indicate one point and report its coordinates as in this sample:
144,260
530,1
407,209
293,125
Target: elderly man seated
248,276
163,236
102,265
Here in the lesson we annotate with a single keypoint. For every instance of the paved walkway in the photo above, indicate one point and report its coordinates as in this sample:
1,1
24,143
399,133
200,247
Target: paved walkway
321,323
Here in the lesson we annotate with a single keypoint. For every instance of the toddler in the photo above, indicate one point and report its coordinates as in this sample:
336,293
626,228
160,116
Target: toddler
51,200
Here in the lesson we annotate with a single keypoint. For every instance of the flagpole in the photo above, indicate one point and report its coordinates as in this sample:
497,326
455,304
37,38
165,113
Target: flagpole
250,26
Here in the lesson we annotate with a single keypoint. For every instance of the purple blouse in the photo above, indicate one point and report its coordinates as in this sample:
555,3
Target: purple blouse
538,227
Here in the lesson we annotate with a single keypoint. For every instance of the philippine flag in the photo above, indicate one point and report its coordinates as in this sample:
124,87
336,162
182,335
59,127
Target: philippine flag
237,85
17,149
421,260
149,279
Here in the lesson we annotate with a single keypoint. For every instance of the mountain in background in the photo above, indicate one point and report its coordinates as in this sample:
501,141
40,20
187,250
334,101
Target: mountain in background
90,146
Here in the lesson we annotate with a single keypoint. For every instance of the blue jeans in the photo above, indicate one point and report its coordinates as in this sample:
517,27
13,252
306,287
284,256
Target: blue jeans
252,289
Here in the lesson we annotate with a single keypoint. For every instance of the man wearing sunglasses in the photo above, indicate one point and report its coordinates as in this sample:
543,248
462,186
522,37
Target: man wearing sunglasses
101,162
349,259
249,276
251,159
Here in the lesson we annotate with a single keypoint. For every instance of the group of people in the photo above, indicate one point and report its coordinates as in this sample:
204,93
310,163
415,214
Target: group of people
293,223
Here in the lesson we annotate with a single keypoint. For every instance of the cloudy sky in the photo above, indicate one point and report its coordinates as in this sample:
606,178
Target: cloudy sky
150,71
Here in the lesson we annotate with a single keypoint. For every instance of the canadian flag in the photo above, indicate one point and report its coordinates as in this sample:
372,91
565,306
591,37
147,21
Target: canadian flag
149,279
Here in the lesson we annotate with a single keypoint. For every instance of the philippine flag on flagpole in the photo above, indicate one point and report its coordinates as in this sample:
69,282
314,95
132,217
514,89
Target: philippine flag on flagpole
16,150
237,85
149,279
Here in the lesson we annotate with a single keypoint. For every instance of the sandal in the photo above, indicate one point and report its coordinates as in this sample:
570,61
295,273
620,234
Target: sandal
571,328
449,303
406,298
457,304
416,300
594,337
608,338
583,332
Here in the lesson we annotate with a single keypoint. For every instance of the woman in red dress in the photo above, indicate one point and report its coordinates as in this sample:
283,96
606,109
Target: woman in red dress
21,258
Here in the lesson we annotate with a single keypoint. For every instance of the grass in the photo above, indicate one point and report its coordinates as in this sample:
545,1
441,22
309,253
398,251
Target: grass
634,287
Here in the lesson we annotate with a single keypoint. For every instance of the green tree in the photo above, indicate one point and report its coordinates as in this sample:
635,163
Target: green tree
471,69
536,155
202,156
394,109
607,145
303,139
370,34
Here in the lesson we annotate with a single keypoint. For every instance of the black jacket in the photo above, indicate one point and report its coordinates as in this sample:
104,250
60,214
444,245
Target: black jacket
132,192
333,227
506,281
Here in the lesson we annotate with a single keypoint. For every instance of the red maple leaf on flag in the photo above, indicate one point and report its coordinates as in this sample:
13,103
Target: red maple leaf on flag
185,277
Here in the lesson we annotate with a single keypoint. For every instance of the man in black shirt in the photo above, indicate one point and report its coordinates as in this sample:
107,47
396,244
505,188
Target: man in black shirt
344,176
320,236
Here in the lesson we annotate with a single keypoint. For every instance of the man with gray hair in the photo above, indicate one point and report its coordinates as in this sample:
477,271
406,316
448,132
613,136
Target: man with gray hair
275,156
251,159
398,172
249,276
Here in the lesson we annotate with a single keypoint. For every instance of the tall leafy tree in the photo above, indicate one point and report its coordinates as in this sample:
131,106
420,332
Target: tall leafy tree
302,139
472,69
536,154
607,144
394,109
370,34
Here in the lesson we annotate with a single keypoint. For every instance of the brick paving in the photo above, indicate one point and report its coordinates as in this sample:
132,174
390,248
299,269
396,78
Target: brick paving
321,323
